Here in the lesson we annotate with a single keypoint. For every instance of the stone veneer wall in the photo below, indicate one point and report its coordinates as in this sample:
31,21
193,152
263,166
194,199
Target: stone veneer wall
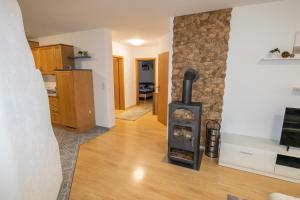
201,42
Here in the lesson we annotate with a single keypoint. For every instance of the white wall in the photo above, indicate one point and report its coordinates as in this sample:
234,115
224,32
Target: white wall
146,51
170,43
256,91
130,54
297,39
164,45
98,43
129,69
29,156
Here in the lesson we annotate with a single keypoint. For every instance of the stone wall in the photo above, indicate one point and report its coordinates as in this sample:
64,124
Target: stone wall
201,42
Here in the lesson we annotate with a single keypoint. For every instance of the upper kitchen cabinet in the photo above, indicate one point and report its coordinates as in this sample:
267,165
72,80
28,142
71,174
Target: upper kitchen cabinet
35,53
47,60
64,55
53,57
33,44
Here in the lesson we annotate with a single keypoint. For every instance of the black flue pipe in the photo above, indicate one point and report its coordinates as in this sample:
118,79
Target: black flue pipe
190,76
187,91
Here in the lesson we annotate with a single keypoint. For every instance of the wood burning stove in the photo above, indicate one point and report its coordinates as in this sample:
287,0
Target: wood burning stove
185,126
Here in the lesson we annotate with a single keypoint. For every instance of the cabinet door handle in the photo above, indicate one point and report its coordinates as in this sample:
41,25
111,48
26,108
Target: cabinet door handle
246,153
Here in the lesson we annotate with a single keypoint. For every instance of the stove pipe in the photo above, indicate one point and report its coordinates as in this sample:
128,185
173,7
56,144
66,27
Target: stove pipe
190,76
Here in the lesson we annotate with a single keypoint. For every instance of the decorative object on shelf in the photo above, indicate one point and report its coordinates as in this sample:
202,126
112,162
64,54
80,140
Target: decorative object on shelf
81,55
285,54
68,67
85,53
296,48
276,50
275,53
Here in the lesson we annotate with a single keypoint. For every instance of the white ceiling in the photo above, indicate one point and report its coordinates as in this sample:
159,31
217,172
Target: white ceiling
146,19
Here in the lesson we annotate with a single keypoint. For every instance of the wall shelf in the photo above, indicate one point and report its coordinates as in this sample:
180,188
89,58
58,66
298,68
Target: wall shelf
267,59
80,57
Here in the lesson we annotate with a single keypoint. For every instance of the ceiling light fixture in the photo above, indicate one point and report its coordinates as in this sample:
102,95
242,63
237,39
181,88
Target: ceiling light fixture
136,42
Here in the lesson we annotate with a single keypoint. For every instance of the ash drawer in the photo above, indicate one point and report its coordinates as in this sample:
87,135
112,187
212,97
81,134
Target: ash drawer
256,159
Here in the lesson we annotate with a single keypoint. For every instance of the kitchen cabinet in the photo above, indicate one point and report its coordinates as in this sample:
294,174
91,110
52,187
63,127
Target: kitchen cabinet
65,90
75,99
54,110
35,53
53,57
33,44
47,60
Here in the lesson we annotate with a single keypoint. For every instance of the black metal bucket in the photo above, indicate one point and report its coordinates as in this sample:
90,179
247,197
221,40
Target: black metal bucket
212,139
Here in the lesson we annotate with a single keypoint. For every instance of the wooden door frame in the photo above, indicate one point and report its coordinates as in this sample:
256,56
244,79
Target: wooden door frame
122,83
137,60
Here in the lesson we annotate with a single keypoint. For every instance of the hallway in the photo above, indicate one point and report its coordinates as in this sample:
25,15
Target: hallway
135,112
127,163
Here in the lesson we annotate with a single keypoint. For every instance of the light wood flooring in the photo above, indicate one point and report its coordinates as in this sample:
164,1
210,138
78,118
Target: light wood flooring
127,163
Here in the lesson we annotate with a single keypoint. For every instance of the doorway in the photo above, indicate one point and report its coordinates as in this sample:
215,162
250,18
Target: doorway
145,80
119,91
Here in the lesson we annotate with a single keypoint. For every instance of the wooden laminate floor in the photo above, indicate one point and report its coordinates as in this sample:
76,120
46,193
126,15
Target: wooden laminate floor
127,164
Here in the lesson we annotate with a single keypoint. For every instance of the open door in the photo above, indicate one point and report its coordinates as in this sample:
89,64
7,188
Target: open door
119,90
137,69
162,94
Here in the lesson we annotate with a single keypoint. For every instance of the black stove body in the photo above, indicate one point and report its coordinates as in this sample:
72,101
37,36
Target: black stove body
185,127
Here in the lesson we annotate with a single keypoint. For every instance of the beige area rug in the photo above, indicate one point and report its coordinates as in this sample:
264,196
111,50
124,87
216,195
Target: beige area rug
135,113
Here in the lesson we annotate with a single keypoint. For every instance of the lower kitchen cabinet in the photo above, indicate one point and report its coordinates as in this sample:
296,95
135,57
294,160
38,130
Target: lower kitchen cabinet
54,110
75,100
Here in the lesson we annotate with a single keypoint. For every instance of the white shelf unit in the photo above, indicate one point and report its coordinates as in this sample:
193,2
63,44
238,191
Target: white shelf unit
257,155
285,59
